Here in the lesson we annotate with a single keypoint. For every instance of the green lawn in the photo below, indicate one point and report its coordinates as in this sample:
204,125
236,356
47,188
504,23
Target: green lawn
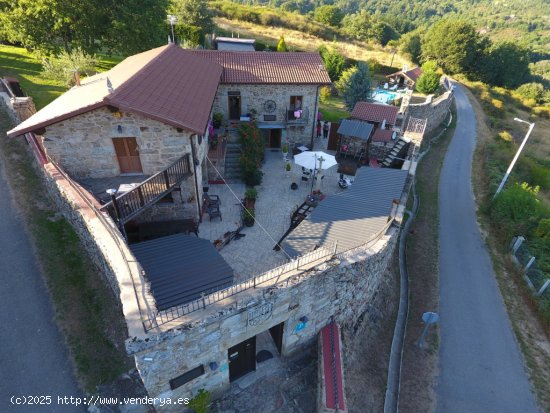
333,109
27,68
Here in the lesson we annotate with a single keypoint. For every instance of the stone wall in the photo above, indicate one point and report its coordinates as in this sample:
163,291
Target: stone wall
83,145
253,97
340,289
434,110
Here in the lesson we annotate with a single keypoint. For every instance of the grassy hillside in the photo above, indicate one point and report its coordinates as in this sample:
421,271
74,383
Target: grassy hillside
526,21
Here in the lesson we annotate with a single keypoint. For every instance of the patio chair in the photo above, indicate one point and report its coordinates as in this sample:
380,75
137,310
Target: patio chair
214,212
211,200
305,178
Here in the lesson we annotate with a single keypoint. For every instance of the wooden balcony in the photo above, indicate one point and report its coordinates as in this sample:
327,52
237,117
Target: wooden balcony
134,202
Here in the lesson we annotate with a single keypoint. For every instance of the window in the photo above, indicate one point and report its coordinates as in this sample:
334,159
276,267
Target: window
187,377
296,102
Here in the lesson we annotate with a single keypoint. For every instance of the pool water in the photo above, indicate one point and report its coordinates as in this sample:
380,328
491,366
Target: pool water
383,96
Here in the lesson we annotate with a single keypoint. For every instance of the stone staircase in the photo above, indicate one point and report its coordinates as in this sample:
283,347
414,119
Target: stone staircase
395,152
232,167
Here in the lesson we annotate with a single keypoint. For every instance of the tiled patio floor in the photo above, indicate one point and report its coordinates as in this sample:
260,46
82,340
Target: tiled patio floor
254,254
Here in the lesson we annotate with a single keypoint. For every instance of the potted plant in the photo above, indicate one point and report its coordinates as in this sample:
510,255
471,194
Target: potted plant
213,140
288,167
248,217
284,150
217,119
250,196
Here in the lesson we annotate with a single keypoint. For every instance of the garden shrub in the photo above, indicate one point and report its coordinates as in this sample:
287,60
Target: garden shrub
517,210
252,145
505,136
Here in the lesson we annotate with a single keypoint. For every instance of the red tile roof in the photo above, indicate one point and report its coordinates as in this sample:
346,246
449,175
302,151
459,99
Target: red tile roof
372,112
269,67
412,74
382,135
168,84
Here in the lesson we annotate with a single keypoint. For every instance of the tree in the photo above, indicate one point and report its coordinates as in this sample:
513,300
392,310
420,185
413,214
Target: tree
506,64
532,91
354,84
334,62
428,82
329,15
63,67
281,45
363,26
410,44
125,26
194,20
455,46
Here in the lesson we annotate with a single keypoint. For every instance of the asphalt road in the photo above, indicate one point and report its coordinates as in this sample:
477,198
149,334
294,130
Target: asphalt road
481,368
33,357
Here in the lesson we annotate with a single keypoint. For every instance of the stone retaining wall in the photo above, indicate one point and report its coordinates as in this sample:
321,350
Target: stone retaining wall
435,111
340,289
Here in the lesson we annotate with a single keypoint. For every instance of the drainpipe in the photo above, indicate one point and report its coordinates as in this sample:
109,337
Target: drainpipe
315,116
194,156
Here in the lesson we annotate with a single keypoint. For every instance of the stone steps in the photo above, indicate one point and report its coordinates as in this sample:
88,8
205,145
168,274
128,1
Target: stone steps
232,170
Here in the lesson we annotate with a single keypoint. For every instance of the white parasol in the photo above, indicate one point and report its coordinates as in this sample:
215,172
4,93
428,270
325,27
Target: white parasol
315,160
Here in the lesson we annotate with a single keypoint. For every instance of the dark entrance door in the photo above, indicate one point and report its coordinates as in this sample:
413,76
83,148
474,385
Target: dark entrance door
275,138
332,144
128,155
234,102
277,335
242,358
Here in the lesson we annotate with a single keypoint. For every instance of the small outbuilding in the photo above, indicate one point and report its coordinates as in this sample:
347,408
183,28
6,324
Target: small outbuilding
405,78
354,137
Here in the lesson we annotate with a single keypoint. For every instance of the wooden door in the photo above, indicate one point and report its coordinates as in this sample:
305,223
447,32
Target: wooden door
332,144
275,138
242,358
127,154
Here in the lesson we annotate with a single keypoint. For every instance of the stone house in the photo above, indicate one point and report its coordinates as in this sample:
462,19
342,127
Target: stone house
150,115
279,90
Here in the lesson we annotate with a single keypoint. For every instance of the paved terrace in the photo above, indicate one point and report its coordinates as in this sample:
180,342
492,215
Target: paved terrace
254,254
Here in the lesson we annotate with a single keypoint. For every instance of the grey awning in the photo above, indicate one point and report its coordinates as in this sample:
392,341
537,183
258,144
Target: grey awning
180,267
349,218
355,129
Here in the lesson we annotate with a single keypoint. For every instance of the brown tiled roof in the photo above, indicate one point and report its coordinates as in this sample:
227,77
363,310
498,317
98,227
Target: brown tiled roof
372,112
168,84
382,135
269,67
412,74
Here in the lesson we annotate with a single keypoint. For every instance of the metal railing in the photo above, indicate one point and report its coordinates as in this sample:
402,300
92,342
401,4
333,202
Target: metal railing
131,203
304,262
292,119
301,263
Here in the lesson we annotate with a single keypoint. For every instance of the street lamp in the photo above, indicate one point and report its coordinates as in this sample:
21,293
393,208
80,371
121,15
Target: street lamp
172,20
505,177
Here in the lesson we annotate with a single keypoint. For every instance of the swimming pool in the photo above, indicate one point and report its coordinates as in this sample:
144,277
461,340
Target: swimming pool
383,96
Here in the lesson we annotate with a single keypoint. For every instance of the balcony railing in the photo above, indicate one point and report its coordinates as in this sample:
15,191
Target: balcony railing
297,117
132,203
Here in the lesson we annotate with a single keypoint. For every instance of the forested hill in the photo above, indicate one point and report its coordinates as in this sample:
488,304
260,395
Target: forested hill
525,20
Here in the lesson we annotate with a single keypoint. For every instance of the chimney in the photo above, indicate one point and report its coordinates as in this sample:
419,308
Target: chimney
76,78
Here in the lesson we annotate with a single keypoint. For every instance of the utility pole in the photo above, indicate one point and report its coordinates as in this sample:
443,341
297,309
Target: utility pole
505,177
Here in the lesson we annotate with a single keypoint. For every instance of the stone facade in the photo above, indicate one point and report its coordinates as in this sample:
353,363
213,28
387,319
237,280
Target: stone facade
83,145
254,97
434,110
340,289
